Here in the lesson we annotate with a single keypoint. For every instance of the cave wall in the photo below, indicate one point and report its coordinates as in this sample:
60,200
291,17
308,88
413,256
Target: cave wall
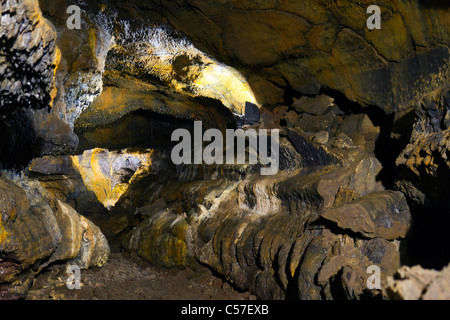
306,45
291,235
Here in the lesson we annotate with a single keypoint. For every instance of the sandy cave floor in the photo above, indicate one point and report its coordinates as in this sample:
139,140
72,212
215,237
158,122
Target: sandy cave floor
127,277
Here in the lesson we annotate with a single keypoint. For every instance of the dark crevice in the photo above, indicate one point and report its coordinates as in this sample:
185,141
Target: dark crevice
19,144
388,145
428,243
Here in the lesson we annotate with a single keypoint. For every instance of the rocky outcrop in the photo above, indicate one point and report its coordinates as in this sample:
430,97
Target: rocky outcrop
83,53
36,231
105,174
276,236
424,162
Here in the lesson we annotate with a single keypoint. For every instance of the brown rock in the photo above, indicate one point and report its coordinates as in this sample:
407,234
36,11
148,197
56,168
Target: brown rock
13,201
316,106
361,130
312,44
94,250
383,214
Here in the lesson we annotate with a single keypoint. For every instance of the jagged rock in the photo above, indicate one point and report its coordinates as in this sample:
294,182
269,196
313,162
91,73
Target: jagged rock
83,53
416,283
378,215
313,123
361,130
321,137
316,106
424,162
28,87
343,141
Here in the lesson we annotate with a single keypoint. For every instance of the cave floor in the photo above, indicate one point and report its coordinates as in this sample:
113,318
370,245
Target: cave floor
127,277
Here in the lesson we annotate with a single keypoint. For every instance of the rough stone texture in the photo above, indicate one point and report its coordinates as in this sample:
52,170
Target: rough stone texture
54,136
35,233
29,57
378,215
315,106
153,51
265,234
424,162
133,113
108,174
99,172
83,53
309,44
416,283
309,232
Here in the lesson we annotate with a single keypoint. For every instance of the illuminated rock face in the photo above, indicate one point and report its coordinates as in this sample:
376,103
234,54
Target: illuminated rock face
108,174
305,45
178,64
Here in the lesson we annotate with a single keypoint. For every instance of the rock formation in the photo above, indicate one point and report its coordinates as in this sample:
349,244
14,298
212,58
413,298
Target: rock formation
87,117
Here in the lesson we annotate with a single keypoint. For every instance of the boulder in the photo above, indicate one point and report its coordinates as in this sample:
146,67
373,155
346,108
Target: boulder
378,215
39,231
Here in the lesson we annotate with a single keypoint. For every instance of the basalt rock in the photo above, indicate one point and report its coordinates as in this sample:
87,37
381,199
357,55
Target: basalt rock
378,215
424,162
97,173
313,44
37,232
268,234
133,113
83,53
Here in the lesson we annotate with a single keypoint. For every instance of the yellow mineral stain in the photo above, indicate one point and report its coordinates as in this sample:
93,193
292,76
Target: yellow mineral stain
99,178
3,233
225,84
